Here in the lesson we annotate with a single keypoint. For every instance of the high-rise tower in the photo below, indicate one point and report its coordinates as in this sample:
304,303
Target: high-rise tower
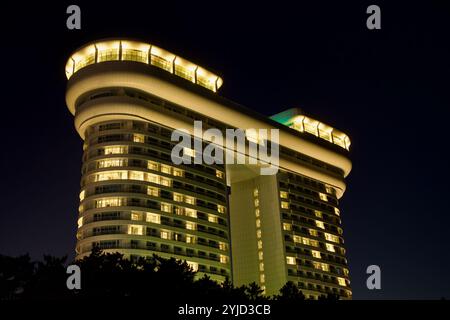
225,220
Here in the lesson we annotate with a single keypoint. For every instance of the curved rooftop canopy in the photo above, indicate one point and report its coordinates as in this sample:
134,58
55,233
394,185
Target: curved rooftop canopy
128,50
294,119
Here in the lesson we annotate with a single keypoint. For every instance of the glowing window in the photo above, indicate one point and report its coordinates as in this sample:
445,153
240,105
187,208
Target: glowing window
222,246
290,260
190,212
318,214
223,259
337,212
258,234
219,174
178,172
152,191
313,232
190,225
323,196
212,218
115,150
257,213
137,175
342,282
189,200
283,194
153,178
260,244
262,278
330,247
220,208
284,205
80,222
258,223
135,216
165,235
177,197
109,202
261,266
316,254
255,192
287,226
192,265
320,224
153,217
110,163
330,190
166,182
297,239
138,138
152,165
82,193
256,202
332,238
260,255
166,207
166,169
135,229
190,239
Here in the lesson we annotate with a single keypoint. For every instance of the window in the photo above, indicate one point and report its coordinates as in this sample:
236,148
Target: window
255,192
153,217
284,205
261,266
178,172
190,225
290,260
135,216
165,234
110,163
135,229
257,213
136,175
138,138
193,265
320,224
330,190
190,200
190,239
80,222
115,150
152,165
318,214
260,255
220,209
342,282
258,234
332,238
190,212
166,182
260,244
166,169
337,212
222,246
152,191
316,254
212,218
258,223
82,193
323,196
297,239
287,226
256,202
330,247
177,197
262,278
108,202
223,259
111,175
219,174
283,194
313,232
166,207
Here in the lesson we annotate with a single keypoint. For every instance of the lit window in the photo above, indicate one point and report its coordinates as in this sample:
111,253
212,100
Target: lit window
261,266
222,246
212,218
283,194
135,229
262,278
258,223
152,165
323,196
313,243
258,234
135,216
110,163
316,254
219,174
223,259
189,152
80,222
313,232
190,225
290,260
115,150
177,197
345,270
136,175
82,193
153,217
165,234
255,192
330,190
166,182
166,169
306,241
220,208
257,212
337,212
190,212
152,191
111,202
190,239
256,202
166,207
260,244
325,267
138,138
318,214
178,172
330,247
193,265
297,239
331,238
260,255
189,200
342,282
284,205
287,226
111,175
320,224
153,178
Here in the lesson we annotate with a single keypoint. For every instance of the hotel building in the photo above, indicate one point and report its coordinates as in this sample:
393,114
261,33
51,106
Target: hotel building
225,220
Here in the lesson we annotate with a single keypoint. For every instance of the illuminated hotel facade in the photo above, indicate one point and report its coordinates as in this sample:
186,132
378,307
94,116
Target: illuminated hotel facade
224,220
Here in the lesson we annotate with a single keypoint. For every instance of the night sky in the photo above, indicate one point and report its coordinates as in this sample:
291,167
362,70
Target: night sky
387,89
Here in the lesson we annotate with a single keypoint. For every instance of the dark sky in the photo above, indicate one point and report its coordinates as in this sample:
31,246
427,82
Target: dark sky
387,89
